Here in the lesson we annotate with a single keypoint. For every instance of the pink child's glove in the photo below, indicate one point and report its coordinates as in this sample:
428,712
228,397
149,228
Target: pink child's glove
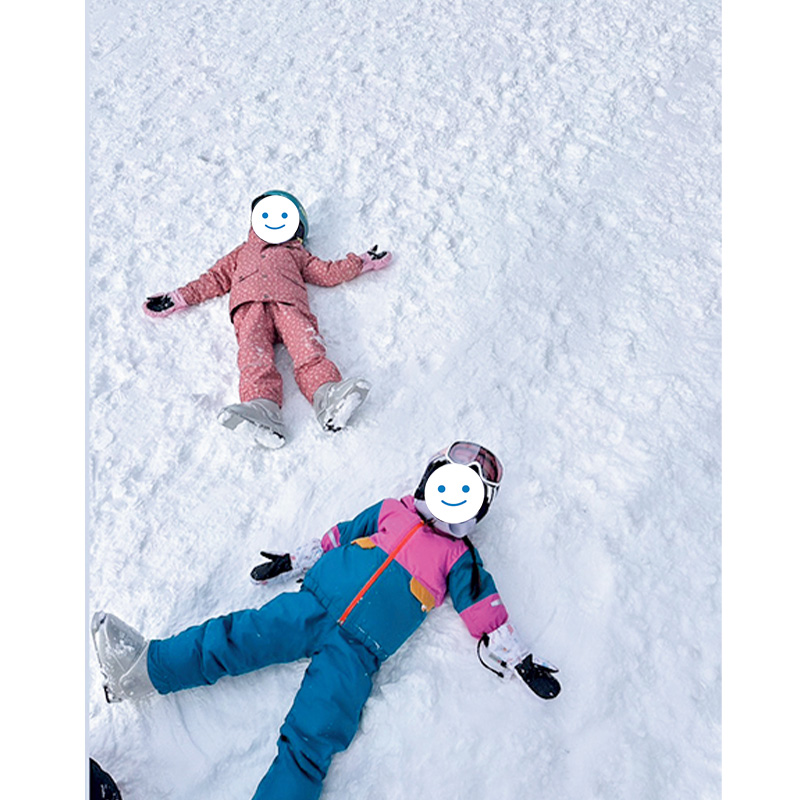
372,259
162,305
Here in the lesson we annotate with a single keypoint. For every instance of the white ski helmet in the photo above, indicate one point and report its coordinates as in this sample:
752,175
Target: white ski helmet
458,519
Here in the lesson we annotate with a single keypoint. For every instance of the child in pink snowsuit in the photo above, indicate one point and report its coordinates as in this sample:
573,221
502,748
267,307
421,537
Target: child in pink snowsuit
266,278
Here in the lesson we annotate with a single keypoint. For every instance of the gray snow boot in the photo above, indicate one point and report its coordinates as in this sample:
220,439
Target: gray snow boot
334,403
263,416
122,653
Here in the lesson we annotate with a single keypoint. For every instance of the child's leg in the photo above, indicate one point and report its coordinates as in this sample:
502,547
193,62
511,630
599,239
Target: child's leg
255,333
285,629
323,720
300,333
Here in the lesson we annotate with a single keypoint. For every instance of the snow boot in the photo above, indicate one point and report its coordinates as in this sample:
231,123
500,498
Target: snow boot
334,403
122,653
262,416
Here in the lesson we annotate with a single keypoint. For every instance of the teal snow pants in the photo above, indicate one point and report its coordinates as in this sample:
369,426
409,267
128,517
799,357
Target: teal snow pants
327,708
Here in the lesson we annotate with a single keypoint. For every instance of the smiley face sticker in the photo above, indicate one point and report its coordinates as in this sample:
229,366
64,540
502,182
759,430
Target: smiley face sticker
275,219
454,493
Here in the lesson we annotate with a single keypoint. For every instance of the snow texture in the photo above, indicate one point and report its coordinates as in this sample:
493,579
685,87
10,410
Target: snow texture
547,176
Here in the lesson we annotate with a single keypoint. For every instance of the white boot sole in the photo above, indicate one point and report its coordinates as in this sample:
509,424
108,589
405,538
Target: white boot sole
338,415
264,436
97,623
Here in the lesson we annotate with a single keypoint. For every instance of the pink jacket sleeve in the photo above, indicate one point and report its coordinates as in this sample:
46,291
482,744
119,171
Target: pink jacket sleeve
330,273
217,281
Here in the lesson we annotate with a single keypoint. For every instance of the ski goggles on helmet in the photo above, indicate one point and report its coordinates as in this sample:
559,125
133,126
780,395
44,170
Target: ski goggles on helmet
469,454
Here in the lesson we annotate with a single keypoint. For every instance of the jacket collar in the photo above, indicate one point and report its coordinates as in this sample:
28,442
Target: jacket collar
254,239
456,530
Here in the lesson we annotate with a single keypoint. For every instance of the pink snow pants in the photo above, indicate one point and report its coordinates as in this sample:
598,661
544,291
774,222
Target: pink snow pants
259,327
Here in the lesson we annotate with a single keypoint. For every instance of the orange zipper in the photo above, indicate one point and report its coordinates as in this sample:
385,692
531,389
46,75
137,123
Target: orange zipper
378,572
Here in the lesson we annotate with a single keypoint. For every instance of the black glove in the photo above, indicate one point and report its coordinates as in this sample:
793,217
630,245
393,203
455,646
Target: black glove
539,679
159,302
274,566
374,254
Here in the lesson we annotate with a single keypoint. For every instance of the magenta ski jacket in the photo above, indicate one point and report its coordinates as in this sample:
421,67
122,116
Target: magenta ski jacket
260,272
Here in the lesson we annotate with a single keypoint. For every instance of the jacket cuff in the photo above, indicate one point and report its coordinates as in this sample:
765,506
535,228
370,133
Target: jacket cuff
188,295
331,539
485,616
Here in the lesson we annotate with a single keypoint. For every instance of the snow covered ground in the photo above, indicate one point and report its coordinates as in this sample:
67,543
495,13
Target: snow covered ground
547,176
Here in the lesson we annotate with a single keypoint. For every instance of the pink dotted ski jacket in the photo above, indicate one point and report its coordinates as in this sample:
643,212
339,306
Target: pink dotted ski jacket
260,272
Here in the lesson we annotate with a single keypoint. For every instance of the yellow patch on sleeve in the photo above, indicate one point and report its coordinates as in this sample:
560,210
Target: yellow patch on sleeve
427,600
365,542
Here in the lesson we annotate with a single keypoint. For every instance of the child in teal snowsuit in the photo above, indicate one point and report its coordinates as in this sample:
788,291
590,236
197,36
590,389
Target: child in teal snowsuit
371,583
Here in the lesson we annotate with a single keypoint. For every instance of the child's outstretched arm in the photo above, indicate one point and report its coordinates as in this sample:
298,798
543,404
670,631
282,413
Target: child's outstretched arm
295,565
476,599
330,273
213,283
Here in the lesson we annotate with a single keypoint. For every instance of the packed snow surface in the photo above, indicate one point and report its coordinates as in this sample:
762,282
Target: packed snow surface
547,176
